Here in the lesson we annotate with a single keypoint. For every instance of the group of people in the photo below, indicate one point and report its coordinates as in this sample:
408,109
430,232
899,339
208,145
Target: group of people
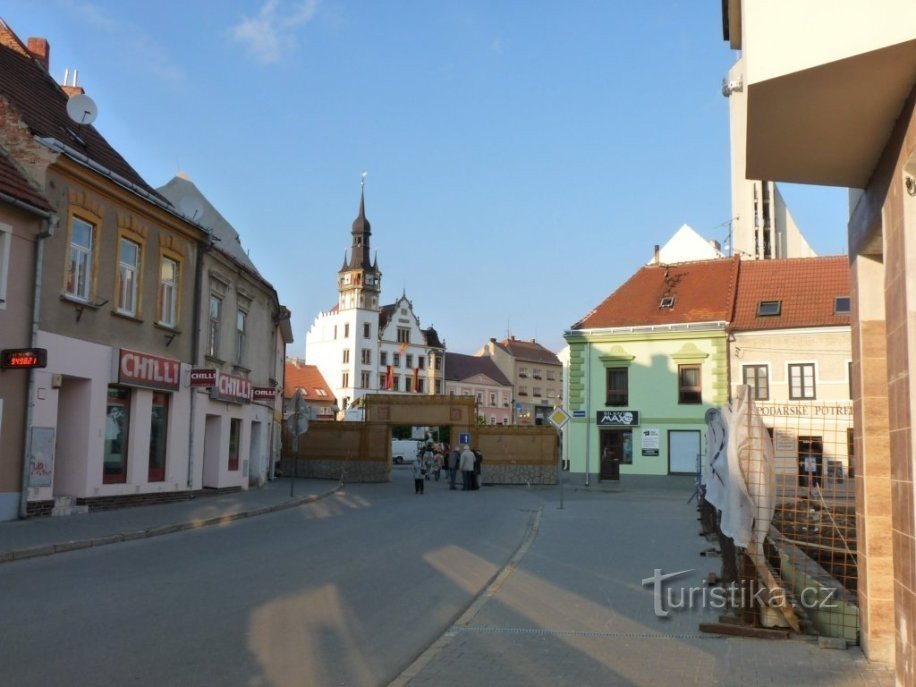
434,457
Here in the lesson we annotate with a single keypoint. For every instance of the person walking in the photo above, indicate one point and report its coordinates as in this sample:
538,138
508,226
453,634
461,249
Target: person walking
467,468
419,475
454,457
427,462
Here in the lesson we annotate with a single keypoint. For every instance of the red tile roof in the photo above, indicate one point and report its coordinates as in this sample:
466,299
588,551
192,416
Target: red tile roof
42,105
806,287
530,351
703,291
14,184
309,379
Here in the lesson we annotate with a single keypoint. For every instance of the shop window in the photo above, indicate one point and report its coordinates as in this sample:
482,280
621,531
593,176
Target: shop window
235,441
618,392
117,429
79,263
689,388
158,436
757,377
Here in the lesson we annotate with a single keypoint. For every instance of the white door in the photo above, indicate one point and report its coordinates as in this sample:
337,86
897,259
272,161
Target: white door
683,450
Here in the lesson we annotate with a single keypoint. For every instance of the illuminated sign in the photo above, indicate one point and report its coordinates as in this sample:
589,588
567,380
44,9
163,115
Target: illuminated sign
204,378
263,393
23,358
231,388
618,418
151,371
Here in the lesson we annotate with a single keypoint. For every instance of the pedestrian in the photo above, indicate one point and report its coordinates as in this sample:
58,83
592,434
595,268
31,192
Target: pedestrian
478,459
437,465
427,462
419,474
467,468
454,457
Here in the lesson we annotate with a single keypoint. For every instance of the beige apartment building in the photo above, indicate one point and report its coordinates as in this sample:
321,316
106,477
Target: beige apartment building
830,94
536,375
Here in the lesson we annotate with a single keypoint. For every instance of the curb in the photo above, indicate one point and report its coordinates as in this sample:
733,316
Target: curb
129,535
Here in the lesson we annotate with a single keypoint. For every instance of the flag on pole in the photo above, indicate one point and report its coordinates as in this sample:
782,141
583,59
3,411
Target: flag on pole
388,376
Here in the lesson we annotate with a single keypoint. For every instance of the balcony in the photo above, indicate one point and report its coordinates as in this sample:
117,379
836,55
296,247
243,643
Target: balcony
822,85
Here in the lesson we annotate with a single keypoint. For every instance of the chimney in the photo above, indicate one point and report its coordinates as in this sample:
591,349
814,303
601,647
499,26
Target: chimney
657,253
40,50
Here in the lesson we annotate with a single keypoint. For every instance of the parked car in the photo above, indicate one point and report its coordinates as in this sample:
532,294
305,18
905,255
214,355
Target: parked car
404,450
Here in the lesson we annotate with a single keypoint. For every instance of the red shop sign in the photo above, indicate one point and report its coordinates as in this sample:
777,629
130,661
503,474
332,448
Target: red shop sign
231,388
204,378
151,371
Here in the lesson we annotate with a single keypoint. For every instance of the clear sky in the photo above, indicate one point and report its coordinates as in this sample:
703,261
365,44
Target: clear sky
523,158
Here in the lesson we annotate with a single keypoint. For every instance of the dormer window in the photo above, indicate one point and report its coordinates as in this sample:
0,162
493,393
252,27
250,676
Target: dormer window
842,305
666,302
769,308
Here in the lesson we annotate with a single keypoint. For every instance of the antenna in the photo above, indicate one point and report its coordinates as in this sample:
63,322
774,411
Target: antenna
82,109
190,207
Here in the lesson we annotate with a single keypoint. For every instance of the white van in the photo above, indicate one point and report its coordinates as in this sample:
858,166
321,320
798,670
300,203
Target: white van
404,450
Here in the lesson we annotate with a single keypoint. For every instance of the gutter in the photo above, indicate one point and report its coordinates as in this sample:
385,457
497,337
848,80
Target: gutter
50,224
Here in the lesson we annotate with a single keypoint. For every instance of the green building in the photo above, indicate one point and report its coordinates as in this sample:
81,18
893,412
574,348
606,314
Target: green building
645,366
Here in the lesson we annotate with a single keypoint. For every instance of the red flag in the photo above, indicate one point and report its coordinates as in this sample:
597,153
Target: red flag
416,379
388,379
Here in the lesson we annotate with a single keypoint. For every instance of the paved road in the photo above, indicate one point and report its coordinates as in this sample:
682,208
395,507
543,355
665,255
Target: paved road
345,591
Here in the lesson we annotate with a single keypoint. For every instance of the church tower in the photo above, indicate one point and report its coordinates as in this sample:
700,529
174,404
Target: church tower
359,281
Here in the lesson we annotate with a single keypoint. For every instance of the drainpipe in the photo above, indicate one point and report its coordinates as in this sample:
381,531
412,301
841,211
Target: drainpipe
588,409
49,225
195,343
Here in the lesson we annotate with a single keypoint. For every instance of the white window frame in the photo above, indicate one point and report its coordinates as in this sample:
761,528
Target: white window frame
814,380
84,256
128,278
168,294
241,330
214,325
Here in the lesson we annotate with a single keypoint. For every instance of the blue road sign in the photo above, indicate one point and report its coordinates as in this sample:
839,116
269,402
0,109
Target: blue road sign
464,438
518,406
578,413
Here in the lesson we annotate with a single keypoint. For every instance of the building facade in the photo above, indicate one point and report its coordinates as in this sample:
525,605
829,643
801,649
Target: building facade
536,375
315,391
793,134
478,376
645,366
364,347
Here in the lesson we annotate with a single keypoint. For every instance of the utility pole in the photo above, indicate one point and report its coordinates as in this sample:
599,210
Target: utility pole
298,424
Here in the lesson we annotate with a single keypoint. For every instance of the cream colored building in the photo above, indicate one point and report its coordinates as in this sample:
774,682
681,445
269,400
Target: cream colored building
830,92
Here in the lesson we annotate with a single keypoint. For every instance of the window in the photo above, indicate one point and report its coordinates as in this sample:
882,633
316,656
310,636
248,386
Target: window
321,392
396,358
403,335
383,358
419,385
689,389
158,435
346,355
235,441
346,330
396,382
382,380
537,392
216,311
335,331
363,380
438,386
492,399
79,264
522,371
117,427
366,356
421,362
666,302
618,393
842,306
345,380
168,292
367,330
551,393
523,391
408,361
241,321
757,377
769,308
537,373
551,376
801,381
128,271
6,233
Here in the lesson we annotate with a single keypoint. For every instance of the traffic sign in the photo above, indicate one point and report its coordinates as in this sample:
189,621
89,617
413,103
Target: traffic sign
464,438
558,418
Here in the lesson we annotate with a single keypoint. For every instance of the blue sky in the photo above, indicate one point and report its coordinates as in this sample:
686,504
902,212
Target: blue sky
522,158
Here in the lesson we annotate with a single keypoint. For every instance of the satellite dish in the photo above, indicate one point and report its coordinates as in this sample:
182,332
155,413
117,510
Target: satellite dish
82,109
190,207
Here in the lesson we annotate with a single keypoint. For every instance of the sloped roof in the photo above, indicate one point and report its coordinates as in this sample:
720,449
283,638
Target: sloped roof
530,351
228,241
687,245
459,367
14,184
42,105
385,314
703,291
309,379
807,289
432,338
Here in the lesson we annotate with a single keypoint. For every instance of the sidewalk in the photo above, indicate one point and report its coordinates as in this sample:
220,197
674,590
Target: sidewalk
47,536
572,609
